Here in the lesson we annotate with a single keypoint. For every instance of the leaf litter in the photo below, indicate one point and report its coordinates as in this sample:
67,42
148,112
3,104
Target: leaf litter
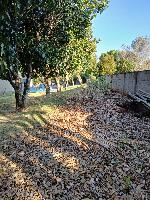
89,149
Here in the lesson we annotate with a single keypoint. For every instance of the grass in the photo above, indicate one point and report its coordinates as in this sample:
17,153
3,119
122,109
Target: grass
37,113
7,102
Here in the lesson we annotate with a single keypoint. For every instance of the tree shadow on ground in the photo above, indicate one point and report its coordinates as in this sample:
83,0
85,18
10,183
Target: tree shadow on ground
44,163
62,156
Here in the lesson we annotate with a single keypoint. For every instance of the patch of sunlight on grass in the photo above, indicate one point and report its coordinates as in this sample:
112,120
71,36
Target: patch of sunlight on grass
24,124
48,109
39,119
71,87
39,110
3,118
36,94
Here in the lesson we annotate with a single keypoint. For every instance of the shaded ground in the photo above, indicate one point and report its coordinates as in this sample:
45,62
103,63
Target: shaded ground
74,145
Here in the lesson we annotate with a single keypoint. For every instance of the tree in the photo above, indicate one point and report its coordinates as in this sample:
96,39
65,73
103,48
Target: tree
141,48
106,64
73,59
138,53
80,55
27,25
125,61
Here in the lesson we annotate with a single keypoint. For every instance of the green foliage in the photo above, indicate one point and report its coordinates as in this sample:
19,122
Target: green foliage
99,83
81,54
37,80
107,64
30,29
131,58
34,36
116,62
125,62
127,182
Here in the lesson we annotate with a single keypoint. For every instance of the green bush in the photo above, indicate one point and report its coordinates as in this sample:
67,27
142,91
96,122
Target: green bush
99,83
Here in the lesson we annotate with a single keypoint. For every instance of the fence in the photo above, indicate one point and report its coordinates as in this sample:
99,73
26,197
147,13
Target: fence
127,82
130,82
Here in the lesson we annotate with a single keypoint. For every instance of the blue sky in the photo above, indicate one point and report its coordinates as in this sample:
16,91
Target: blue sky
121,23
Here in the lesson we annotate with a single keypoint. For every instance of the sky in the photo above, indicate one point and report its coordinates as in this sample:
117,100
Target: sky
121,23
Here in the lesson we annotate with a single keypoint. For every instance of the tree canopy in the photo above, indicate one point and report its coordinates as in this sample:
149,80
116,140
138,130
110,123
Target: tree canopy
33,31
130,58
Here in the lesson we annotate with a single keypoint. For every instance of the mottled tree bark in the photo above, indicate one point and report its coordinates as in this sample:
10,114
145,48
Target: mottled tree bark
21,89
47,83
58,84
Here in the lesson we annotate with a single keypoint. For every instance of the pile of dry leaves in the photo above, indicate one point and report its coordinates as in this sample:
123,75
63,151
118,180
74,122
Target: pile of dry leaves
90,149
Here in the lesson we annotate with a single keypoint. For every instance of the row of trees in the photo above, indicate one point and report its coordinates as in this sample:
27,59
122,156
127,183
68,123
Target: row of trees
131,58
49,39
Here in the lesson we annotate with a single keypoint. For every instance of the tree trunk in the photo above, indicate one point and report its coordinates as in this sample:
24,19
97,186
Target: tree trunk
58,84
66,85
25,91
72,81
66,81
21,93
20,88
47,86
20,104
79,79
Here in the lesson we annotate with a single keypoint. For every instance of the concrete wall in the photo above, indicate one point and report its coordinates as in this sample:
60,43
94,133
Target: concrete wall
5,87
130,82
127,82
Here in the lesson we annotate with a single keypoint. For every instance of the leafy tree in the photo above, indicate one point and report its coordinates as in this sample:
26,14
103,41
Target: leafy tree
26,27
73,59
81,58
125,61
138,53
106,64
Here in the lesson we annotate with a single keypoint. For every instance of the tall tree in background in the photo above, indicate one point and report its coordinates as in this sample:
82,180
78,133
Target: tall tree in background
141,48
27,24
106,64
138,53
131,58
125,61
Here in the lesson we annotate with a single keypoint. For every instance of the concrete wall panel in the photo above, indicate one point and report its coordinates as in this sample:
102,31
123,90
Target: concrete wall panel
130,82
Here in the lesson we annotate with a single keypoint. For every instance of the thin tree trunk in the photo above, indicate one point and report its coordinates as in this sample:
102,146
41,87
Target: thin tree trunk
58,84
72,81
19,103
79,79
25,91
47,86
66,84
66,81
18,95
